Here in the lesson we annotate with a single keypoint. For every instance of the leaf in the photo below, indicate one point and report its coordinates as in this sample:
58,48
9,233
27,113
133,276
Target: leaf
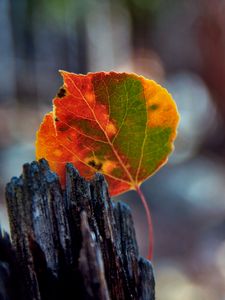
119,124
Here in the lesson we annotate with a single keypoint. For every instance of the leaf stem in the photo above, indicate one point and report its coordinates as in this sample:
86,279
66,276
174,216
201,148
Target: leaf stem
149,220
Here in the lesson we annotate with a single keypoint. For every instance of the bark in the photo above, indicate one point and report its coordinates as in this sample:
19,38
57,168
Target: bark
72,243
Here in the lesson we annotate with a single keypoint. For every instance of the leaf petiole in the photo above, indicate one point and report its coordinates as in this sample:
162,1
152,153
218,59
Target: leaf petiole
149,220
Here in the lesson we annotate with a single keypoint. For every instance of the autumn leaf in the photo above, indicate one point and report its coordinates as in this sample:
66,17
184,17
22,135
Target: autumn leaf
119,124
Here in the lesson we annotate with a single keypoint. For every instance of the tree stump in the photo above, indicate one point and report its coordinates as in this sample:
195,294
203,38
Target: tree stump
72,243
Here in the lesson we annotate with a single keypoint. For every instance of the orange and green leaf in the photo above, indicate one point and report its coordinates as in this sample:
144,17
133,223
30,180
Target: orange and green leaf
119,124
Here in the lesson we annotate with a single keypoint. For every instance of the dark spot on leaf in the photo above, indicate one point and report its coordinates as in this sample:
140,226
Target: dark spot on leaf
154,106
56,119
91,163
72,122
97,166
61,92
62,127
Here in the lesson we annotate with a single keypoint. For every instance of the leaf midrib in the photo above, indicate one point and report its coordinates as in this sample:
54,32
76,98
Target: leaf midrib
132,181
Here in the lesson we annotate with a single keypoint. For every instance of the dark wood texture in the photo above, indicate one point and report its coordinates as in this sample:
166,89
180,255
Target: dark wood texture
72,243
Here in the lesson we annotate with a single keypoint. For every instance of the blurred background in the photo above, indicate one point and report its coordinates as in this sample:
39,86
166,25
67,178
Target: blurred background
179,43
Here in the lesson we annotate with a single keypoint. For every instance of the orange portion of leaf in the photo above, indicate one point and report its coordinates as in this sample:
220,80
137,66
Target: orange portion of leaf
119,124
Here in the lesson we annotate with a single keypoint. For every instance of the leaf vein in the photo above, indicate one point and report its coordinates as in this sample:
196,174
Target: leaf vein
111,145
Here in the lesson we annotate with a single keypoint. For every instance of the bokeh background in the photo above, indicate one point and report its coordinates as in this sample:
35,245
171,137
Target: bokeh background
179,43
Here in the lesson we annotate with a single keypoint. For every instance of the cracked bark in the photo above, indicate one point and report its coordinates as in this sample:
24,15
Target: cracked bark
70,243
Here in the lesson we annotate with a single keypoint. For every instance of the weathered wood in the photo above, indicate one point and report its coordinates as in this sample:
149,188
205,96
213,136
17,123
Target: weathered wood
73,243
5,248
8,269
